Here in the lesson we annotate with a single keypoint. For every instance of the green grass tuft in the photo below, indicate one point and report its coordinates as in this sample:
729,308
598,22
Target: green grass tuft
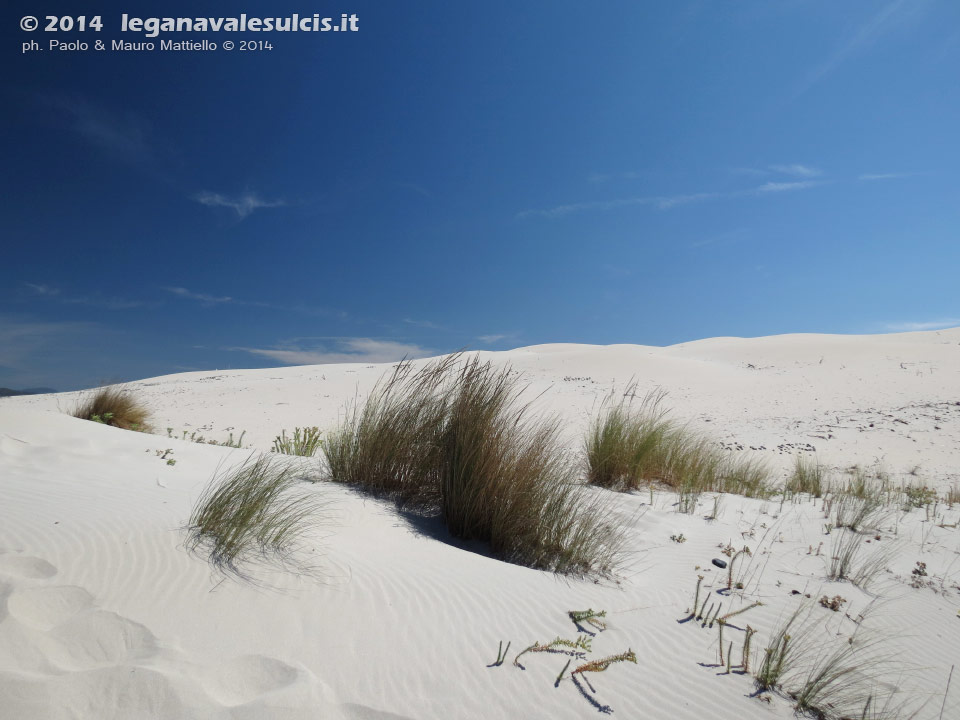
631,444
260,509
113,405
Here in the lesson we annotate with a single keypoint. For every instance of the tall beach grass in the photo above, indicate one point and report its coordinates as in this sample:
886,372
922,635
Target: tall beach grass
453,438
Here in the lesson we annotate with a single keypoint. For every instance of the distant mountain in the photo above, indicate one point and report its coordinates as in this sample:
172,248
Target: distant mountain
7,392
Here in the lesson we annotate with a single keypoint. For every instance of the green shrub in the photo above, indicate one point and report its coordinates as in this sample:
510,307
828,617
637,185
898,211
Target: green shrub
113,405
917,496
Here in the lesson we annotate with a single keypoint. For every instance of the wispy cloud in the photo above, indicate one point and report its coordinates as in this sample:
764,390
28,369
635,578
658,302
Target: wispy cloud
54,293
21,341
861,39
660,202
344,350
202,297
607,177
927,325
666,202
884,176
490,339
243,205
423,324
123,135
40,289
778,187
796,170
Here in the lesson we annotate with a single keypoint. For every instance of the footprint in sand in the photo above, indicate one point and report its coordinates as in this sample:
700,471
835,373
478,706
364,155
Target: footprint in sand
247,678
46,607
98,637
26,566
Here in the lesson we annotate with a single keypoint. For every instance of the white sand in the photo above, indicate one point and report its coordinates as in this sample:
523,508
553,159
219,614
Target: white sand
103,614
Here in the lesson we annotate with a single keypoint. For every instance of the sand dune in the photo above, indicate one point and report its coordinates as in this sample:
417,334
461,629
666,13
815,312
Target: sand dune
104,614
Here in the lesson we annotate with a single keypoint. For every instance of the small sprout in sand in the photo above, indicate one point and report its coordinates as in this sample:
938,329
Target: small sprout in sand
171,461
604,663
678,538
588,616
501,654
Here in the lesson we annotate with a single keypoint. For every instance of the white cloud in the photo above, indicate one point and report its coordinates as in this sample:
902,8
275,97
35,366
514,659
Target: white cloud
243,205
346,350
202,297
928,325
776,187
797,170
490,339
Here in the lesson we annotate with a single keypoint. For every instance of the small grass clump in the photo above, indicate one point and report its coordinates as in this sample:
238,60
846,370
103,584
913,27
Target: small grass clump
808,476
113,405
304,443
259,509
626,443
451,438
631,444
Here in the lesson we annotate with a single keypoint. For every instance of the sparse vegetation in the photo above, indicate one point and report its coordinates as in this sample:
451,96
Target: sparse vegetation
451,438
849,561
259,509
304,442
113,405
917,496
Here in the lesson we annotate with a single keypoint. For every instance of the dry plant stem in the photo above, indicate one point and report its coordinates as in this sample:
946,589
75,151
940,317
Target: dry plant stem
946,692
604,663
730,569
741,610
720,640
746,649
696,594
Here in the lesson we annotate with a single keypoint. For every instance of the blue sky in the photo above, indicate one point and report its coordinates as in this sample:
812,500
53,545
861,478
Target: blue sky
485,175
